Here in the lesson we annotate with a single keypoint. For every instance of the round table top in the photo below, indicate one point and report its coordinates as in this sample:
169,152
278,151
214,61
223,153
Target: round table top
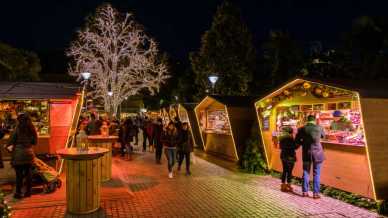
102,138
79,154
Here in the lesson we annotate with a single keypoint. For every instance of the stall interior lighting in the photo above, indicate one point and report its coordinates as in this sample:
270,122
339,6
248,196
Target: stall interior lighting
257,104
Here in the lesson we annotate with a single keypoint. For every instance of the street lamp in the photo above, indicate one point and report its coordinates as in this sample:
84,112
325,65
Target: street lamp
213,80
110,93
85,75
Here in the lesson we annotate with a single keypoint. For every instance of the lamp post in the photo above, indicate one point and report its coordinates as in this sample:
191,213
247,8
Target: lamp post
85,76
213,80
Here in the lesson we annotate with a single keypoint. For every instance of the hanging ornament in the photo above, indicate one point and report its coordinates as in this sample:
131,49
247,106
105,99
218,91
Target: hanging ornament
318,91
325,94
303,94
306,85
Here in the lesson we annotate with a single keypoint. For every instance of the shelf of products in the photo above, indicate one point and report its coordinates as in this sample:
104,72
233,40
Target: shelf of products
345,129
37,109
215,121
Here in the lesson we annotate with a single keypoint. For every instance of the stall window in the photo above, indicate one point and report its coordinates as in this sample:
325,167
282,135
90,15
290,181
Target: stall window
331,106
318,107
344,105
307,107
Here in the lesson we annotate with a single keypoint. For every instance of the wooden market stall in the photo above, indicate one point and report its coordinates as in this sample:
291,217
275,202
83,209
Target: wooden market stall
186,114
52,107
224,123
353,116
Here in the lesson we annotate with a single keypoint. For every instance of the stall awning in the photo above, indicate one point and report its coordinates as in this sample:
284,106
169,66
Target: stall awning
37,90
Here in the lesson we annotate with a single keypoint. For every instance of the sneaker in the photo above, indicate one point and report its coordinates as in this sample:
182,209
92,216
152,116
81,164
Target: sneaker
188,173
170,176
316,196
305,194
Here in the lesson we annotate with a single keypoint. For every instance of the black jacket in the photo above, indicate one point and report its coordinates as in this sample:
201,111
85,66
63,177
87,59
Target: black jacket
170,139
288,147
309,137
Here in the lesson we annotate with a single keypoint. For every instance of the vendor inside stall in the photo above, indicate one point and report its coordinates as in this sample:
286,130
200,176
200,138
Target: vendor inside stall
338,111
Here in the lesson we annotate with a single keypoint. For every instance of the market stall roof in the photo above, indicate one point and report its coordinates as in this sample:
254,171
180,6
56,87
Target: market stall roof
366,88
234,101
189,105
37,90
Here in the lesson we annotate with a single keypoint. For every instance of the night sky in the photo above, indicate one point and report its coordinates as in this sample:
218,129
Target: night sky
49,25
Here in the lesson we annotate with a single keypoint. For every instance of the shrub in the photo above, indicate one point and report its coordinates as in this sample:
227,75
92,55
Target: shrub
382,207
252,160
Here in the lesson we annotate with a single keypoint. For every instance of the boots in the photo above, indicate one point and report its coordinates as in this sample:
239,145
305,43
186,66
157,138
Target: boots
283,187
289,188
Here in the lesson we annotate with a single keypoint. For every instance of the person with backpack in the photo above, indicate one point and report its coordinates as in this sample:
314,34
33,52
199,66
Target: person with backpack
157,134
309,136
185,147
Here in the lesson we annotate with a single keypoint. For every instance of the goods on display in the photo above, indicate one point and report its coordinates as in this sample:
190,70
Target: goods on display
341,119
214,121
37,109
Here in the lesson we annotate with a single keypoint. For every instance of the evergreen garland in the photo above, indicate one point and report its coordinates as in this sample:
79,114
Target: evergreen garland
5,209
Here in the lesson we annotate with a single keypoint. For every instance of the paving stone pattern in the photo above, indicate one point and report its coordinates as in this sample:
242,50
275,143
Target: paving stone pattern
140,188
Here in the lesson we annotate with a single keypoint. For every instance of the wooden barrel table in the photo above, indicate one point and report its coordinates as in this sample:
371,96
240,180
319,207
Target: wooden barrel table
106,161
83,178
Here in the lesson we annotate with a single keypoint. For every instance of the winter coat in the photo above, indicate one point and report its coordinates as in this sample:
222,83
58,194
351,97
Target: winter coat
93,127
170,139
288,147
158,130
186,142
23,152
149,128
309,137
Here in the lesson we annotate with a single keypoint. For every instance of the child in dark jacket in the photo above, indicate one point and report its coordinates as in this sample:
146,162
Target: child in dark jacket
288,157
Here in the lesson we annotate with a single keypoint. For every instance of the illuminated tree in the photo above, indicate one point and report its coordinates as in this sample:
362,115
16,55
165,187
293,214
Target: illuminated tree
121,58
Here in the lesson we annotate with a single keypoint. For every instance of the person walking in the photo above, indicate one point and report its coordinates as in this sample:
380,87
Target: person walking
178,126
158,130
143,124
185,147
288,157
309,136
150,134
170,140
22,141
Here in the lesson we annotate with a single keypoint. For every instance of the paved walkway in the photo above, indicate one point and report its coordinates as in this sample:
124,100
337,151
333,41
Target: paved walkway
141,188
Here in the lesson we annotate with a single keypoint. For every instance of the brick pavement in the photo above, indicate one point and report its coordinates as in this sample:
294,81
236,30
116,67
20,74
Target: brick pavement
141,189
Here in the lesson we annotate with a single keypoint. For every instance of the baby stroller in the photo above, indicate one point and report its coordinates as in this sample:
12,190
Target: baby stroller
46,176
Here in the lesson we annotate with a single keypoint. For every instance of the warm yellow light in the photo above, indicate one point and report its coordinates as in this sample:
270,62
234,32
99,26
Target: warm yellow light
262,138
199,125
70,133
